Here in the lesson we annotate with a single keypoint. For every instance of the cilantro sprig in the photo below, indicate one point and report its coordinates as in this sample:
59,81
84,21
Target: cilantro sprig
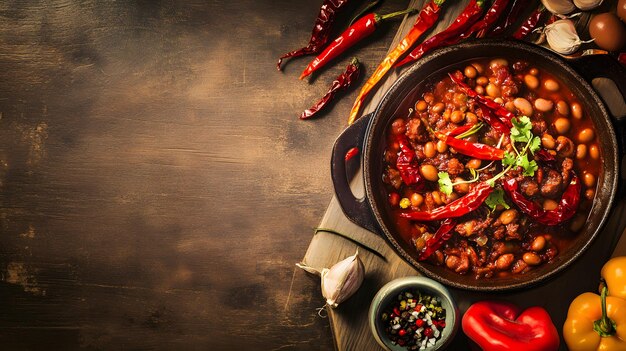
446,184
496,198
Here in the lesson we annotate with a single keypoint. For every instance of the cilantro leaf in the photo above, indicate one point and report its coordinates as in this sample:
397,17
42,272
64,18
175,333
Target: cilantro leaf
521,131
529,166
445,183
509,159
496,198
535,144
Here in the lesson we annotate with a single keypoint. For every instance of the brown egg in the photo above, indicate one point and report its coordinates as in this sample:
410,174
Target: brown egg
607,30
621,10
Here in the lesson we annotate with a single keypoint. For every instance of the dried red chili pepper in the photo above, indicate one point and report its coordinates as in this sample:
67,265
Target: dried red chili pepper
493,121
545,156
355,33
566,209
457,208
351,153
476,150
321,30
425,20
530,24
465,20
443,234
492,15
343,81
513,15
409,172
505,115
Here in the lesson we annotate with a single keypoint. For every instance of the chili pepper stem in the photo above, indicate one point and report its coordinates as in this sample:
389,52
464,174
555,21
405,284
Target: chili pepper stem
393,14
604,326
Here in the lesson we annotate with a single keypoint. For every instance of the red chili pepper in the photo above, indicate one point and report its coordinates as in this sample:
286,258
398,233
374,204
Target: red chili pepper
545,156
443,234
467,18
457,208
355,33
530,24
505,115
425,20
351,153
513,15
343,81
566,209
494,121
502,326
409,171
476,150
321,30
622,58
492,15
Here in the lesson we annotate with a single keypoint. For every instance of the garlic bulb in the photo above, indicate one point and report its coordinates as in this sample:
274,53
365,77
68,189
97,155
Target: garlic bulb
341,281
562,37
559,7
587,5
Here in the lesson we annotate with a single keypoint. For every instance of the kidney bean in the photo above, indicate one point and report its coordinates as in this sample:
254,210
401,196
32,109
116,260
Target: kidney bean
504,261
549,205
531,258
416,200
551,85
461,188
442,146
429,172
479,67
523,106
519,266
493,64
457,116
470,71
480,90
547,141
498,100
562,107
438,107
534,71
543,105
538,243
421,106
531,81
508,216
577,223
471,117
577,110
589,179
492,90
510,106
589,193
474,163
437,197
594,151
482,80
562,125
581,151
429,149
586,135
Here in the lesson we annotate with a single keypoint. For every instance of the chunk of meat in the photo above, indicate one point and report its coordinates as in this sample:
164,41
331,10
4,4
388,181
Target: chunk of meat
539,127
413,128
551,184
566,168
393,177
455,167
512,231
529,187
473,227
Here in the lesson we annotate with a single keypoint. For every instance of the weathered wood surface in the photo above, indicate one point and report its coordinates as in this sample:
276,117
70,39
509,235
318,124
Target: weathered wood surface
349,322
156,185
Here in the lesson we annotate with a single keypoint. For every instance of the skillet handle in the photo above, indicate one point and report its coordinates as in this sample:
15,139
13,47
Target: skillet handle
357,210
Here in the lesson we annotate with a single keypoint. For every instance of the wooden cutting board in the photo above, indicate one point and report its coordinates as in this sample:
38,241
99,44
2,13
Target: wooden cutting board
349,322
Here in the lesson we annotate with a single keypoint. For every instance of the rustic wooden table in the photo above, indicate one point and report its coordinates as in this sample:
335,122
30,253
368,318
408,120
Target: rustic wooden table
156,185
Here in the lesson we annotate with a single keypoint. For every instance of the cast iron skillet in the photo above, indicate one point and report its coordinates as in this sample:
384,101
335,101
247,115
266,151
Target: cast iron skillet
372,211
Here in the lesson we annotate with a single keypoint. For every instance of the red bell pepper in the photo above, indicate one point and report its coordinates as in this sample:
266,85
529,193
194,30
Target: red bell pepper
503,326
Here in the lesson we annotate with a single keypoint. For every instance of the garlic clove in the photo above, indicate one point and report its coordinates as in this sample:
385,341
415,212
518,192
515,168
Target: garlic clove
587,5
559,7
342,280
562,37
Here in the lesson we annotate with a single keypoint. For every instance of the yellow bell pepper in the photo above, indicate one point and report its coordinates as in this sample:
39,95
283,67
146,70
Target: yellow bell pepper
596,323
614,274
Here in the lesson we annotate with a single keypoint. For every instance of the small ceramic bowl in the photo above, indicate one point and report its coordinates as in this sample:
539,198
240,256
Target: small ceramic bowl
389,293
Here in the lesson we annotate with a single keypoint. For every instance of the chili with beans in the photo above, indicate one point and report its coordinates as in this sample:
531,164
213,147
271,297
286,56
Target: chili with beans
493,171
